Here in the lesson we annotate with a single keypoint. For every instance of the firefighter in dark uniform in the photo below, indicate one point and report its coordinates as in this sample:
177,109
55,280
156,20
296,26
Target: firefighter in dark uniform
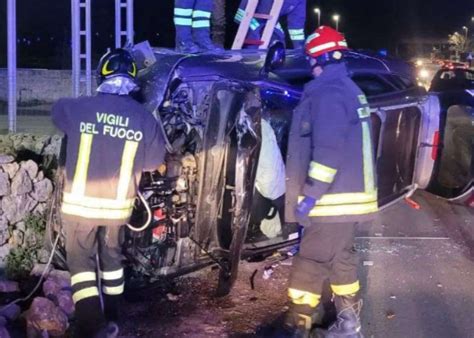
192,20
330,187
111,139
294,10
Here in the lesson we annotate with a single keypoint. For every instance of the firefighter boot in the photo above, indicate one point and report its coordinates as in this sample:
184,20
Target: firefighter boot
111,307
89,318
297,323
184,40
347,324
202,38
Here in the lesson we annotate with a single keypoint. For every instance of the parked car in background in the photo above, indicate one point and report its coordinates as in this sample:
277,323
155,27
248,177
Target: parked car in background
199,204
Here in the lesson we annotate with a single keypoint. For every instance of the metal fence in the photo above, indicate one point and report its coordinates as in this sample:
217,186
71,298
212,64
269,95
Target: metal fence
31,116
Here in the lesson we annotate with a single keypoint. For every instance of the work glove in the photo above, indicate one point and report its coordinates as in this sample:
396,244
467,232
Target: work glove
303,209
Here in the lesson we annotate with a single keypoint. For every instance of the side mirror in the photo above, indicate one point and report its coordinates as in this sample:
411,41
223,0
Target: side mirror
275,58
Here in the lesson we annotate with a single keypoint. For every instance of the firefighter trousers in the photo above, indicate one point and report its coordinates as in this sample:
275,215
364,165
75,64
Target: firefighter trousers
83,245
326,252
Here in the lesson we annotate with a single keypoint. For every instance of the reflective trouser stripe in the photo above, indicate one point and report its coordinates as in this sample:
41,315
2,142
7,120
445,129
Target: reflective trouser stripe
111,275
239,15
201,24
126,169
183,22
183,11
201,14
85,293
296,34
113,290
345,289
82,165
301,297
81,277
321,172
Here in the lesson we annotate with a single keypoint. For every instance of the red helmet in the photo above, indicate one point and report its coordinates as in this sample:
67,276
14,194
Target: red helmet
324,40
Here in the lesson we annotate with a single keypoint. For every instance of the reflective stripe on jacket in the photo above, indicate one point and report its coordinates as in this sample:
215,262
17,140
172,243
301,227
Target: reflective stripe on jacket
111,139
330,151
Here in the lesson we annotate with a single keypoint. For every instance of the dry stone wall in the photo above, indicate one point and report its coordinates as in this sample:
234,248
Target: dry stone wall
25,188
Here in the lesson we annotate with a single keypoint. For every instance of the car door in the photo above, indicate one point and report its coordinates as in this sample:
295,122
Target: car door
405,133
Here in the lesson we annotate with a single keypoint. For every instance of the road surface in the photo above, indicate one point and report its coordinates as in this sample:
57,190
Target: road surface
416,269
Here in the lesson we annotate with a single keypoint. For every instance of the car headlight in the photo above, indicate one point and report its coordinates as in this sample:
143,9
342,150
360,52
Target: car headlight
424,74
419,63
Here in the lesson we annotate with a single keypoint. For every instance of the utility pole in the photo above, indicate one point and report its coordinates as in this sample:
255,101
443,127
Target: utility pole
81,8
128,32
12,66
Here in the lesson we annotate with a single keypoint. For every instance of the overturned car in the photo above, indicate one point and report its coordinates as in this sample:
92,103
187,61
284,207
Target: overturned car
194,211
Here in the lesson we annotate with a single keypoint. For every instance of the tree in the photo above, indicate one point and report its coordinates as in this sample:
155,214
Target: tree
459,43
218,22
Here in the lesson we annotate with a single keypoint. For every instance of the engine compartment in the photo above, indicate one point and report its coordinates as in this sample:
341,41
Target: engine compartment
172,191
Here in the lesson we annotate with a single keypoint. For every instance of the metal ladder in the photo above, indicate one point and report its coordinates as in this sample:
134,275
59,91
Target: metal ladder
272,20
81,39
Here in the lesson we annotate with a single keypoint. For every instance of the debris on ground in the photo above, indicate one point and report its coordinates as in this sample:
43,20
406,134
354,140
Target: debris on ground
368,263
390,314
172,298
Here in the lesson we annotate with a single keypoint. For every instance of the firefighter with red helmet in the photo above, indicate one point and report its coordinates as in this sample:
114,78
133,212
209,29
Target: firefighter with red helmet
192,20
111,139
331,186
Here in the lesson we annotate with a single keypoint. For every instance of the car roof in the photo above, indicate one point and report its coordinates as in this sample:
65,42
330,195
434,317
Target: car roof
246,65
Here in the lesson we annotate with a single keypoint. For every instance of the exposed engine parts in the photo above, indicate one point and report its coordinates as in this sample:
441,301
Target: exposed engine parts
170,192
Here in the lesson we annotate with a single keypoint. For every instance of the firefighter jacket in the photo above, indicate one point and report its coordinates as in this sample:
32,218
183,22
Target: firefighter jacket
111,139
330,153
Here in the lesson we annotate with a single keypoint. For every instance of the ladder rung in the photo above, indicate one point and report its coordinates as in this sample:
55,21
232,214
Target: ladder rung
123,33
83,56
262,16
123,5
83,32
253,42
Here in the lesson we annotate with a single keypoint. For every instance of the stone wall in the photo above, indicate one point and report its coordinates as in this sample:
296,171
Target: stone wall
25,189
38,85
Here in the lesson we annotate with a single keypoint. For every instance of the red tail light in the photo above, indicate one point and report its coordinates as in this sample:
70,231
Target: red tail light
434,151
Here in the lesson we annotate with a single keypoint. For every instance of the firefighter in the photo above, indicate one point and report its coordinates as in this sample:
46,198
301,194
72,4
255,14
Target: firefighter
330,188
111,139
192,19
294,10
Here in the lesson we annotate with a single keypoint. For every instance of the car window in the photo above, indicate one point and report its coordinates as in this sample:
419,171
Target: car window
452,80
372,85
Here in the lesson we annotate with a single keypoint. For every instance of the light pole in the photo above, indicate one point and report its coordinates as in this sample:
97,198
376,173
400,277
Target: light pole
466,29
318,12
336,18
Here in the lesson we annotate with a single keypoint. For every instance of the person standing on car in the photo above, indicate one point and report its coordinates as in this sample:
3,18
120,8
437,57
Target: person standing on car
331,185
294,10
111,139
192,20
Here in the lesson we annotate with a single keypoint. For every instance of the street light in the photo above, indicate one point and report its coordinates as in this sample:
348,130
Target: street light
336,18
318,12
466,29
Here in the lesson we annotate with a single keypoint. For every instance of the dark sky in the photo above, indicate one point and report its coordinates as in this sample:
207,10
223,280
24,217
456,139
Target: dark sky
44,26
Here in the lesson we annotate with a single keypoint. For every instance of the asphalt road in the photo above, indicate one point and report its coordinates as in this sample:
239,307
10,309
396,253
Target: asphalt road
416,269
